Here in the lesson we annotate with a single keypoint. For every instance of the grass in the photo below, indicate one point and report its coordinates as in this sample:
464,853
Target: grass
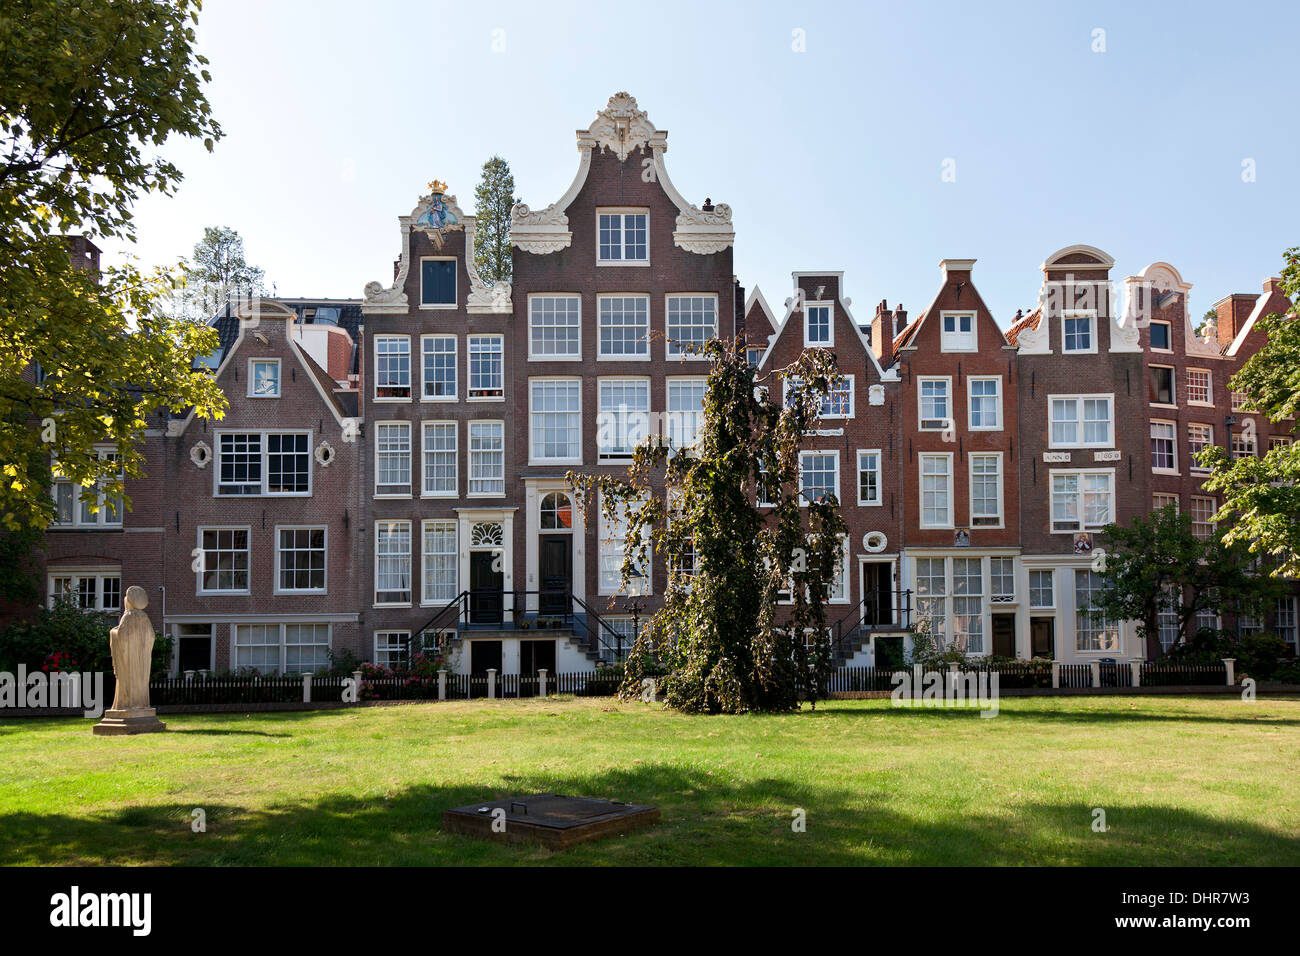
1183,780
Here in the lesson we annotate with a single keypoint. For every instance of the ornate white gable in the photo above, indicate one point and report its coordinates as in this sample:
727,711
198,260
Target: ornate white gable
621,128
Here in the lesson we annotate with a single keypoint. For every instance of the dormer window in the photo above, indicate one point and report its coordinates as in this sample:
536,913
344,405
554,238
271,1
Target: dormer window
438,283
958,332
264,378
1077,333
817,327
623,237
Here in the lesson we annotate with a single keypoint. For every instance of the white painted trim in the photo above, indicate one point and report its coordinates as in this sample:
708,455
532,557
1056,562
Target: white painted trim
275,583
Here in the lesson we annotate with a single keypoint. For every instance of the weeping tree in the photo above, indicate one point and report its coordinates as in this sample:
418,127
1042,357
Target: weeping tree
743,623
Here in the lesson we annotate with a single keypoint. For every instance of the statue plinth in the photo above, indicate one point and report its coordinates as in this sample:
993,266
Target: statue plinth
131,644
141,720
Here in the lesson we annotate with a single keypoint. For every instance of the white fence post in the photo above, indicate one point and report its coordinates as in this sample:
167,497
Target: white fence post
492,683
306,688
442,685
1231,664
1056,673
1096,673
356,676
541,681
1136,665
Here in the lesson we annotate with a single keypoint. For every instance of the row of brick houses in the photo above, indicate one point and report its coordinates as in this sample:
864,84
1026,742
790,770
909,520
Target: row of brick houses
394,466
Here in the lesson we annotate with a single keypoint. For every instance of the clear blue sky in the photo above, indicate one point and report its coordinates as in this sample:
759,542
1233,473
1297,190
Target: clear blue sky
339,113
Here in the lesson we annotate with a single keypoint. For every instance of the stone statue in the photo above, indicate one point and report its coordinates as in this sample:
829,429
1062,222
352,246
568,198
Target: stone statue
131,643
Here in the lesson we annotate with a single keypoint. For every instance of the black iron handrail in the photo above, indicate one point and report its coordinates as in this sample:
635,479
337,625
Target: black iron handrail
601,623
867,615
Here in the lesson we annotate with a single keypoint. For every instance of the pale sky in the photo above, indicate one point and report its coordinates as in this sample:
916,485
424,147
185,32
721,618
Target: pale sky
339,113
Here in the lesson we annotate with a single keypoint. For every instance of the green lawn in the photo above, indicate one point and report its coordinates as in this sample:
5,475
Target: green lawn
1182,780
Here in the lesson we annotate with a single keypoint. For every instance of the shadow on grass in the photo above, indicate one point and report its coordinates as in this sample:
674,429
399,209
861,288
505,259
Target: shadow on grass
224,733
1118,712
705,822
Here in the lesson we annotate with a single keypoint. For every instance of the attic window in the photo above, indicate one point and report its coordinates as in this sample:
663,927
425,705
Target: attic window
327,315
817,326
958,332
438,283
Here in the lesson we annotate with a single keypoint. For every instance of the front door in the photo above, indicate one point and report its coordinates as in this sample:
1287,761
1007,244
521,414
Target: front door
1004,635
1042,643
485,586
877,594
556,573
533,657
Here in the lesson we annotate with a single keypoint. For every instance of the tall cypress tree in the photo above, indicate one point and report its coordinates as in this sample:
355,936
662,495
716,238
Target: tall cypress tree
494,197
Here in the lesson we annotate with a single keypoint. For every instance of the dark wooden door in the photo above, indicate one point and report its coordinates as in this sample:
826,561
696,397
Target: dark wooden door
195,653
485,585
556,573
484,655
1004,635
1042,642
878,593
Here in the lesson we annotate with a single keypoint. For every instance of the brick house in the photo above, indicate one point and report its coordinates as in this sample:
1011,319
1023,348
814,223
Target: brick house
959,422
1083,452
394,468
854,455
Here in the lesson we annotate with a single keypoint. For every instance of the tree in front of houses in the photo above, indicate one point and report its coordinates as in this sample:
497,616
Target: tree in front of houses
1261,496
1156,568
88,94
216,272
743,625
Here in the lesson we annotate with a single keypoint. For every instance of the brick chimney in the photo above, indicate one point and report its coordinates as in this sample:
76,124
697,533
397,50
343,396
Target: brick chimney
1233,311
882,325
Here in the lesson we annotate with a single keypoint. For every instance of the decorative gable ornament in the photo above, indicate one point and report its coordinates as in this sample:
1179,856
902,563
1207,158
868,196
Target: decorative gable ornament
437,214
622,128
201,455
324,454
876,395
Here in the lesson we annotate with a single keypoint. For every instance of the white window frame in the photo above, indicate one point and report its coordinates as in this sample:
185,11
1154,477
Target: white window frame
410,449
410,563
625,419
946,338
950,492
325,549
469,458
1198,469
1154,348
1173,384
78,574
1001,483
1052,475
252,377
668,419
1172,438
533,457
947,421
1051,578
424,458
500,340
829,342
455,368
403,647
672,347
834,455
203,559
1093,331
878,470
971,398
1209,387
622,212
455,284
410,376
425,561
105,516
282,628
642,356
265,446
1080,422
533,354
605,538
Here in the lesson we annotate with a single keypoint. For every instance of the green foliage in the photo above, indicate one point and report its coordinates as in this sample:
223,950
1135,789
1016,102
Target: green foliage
1158,564
85,93
217,271
79,636
1261,508
1257,655
494,198
729,561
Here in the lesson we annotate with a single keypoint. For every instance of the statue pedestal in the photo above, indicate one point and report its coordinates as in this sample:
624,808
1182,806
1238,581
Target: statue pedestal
143,720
